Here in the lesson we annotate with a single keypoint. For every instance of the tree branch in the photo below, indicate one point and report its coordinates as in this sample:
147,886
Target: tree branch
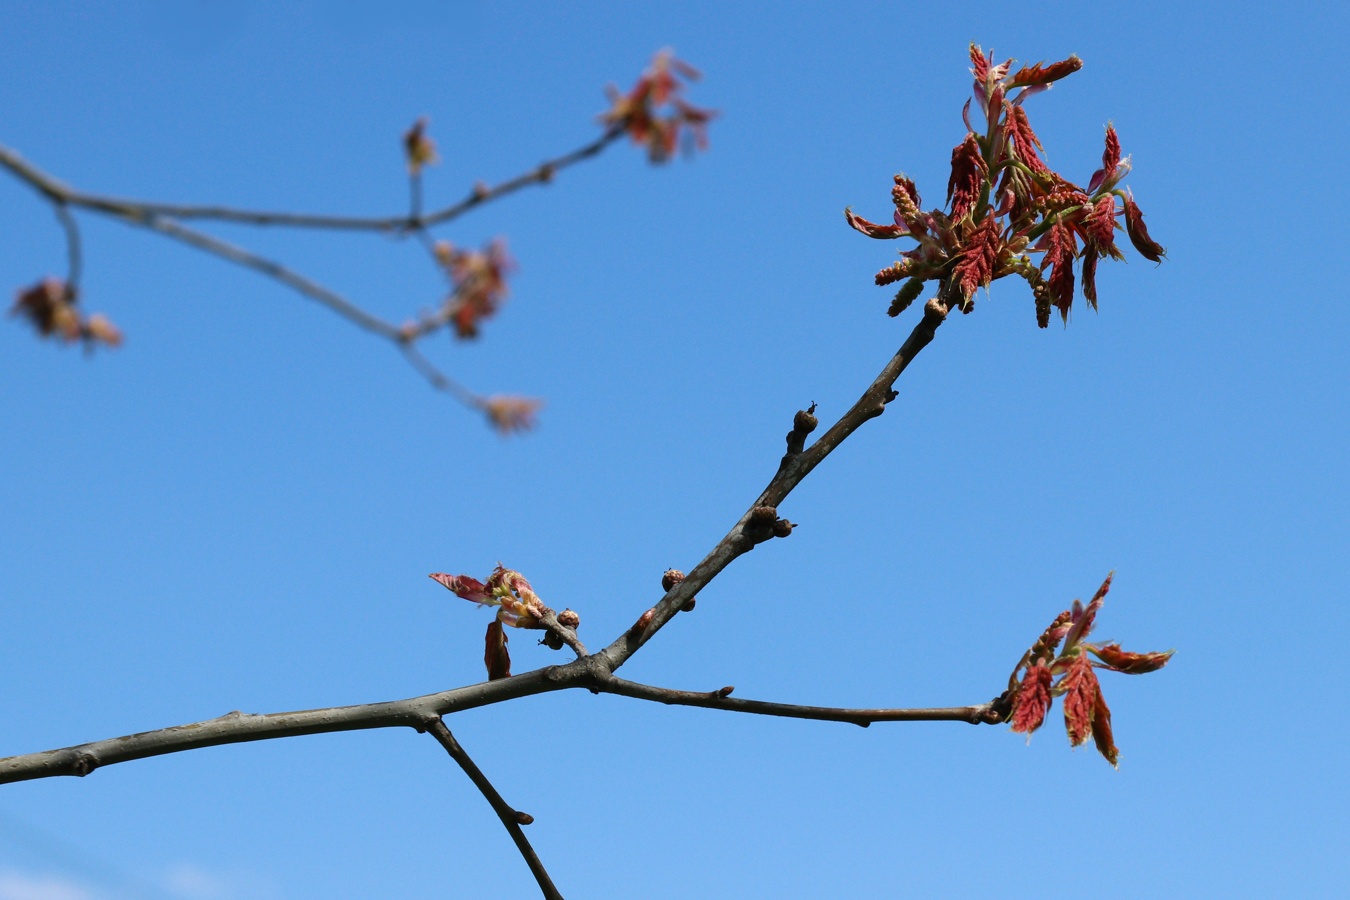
511,817
790,473
129,208
983,713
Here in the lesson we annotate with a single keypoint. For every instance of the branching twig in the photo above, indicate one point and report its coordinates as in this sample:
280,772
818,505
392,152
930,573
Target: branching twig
790,473
511,817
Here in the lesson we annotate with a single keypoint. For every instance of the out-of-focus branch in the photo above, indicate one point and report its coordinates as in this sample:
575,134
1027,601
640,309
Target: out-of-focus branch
129,208
983,713
511,817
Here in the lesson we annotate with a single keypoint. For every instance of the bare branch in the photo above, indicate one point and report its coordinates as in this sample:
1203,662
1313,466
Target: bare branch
792,470
238,727
983,713
511,817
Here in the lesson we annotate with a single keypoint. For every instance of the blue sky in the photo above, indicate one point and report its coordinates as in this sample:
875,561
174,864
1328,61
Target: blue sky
238,509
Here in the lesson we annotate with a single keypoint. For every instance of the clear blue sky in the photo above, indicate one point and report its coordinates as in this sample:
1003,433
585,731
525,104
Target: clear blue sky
238,509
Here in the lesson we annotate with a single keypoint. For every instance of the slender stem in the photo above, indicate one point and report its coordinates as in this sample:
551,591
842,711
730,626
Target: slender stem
511,818
983,713
790,473
74,256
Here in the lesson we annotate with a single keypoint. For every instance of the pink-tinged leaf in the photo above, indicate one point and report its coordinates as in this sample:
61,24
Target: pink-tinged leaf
1131,663
464,586
965,116
979,64
495,656
1060,250
976,267
968,175
1101,730
1100,225
1090,276
1110,159
1039,74
1080,699
1085,617
1134,227
872,229
1024,140
1033,700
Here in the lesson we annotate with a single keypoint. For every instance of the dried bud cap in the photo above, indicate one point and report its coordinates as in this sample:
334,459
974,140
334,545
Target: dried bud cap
935,307
524,818
782,528
671,578
569,618
763,517
552,641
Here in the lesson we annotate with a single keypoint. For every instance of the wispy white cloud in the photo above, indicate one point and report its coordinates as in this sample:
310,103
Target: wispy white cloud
25,886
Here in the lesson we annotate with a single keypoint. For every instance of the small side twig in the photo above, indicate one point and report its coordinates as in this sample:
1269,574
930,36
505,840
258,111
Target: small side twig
511,817
979,714
74,255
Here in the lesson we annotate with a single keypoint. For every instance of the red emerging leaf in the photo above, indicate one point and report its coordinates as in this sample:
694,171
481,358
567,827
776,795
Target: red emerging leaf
1084,617
1024,140
1059,254
1131,663
1033,700
1134,226
872,229
968,175
1101,730
419,149
1090,276
976,267
1042,74
463,586
1080,699
495,656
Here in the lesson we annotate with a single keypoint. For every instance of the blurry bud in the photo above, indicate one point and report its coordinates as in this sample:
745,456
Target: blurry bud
98,328
512,414
671,578
551,641
524,818
419,149
782,528
569,618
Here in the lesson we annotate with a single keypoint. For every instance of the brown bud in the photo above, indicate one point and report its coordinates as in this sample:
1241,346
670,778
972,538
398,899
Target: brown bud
569,618
671,578
935,307
689,605
782,528
763,517
643,621
552,641
805,421
725,691
524,818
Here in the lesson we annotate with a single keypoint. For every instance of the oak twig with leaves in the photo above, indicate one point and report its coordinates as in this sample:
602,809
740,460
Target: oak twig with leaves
1004,204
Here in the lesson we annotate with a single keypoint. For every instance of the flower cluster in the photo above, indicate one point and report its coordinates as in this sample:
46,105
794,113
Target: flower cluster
479,279
1005,203
517,606
50,306
1086,714
654,114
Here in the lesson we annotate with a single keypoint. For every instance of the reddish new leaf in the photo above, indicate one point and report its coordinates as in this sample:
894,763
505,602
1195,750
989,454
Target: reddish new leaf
1131,663
1080,699
872,229
1033,700
976,267
1101,730
968,175
1134,226
1043,74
